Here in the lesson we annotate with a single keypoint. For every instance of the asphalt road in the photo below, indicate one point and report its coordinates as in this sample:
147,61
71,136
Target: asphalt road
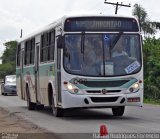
135,120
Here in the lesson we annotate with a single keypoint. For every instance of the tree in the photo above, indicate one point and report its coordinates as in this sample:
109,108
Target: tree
146,25
9,53
8,65
151,54
151,51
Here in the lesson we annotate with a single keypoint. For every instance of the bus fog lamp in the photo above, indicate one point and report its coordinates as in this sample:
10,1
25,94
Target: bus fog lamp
76,90
131,89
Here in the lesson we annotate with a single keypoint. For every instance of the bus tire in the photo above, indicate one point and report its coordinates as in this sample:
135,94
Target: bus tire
39,107
30,105
118,111
57,112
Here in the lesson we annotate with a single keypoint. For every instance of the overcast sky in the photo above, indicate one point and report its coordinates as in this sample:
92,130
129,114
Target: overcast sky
30,15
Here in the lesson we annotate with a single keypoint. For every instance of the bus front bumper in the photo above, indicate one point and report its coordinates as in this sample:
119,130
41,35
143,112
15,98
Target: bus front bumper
93,101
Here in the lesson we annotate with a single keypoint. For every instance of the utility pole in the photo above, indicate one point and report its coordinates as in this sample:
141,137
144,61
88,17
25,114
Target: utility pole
117,5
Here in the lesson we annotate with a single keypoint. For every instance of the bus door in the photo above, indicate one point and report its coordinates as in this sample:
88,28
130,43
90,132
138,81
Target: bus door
22,73
37,91
58,72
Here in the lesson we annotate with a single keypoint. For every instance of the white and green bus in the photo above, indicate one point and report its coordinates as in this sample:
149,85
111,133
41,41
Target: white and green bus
82,62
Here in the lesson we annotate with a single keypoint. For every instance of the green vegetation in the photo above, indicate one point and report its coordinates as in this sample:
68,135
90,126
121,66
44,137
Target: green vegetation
146,26
152,101
8,65
151,54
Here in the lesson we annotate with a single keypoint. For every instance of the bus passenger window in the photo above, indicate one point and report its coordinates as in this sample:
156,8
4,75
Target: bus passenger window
72,53
32,51
27,53
51,45
18,54
44,47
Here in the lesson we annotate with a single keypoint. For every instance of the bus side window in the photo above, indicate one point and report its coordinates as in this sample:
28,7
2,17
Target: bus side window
44,47
51,45
18,54
27,54
72,53
32,51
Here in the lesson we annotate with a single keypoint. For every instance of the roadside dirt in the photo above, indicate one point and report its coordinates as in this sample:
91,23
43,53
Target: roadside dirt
13,126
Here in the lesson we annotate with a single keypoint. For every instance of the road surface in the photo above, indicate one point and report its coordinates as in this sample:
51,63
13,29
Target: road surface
135,120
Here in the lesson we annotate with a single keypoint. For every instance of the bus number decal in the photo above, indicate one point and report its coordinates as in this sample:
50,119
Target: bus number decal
135,65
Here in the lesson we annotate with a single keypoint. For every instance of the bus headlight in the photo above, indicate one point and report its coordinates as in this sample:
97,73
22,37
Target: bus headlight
136,85
134,88
71,88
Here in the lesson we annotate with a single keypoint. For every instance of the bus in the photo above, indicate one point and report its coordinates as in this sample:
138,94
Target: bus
89,61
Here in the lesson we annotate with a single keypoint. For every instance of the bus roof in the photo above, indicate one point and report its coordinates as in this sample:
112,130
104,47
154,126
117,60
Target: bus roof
43,29
62,19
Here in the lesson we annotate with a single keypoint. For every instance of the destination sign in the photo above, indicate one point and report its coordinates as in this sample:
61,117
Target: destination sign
112,24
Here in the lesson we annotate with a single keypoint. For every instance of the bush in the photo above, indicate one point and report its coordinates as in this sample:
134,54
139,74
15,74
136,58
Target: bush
151,54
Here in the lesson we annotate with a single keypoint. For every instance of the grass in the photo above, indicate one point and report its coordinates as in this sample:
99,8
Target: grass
152,101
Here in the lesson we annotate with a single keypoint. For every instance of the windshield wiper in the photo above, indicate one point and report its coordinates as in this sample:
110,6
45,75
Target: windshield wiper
116,40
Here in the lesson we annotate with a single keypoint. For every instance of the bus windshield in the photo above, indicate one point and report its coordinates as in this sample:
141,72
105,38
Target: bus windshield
100,55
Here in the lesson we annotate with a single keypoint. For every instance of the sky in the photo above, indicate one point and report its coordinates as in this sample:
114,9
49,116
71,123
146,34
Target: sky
31,15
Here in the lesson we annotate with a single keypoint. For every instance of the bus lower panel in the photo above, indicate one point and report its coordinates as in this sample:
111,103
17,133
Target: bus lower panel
80,101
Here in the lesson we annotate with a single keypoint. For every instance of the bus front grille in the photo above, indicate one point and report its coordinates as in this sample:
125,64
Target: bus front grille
105,83
93,91
104,99
100,91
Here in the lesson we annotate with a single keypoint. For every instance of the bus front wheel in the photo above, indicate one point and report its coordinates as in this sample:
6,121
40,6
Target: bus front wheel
118,111
58,112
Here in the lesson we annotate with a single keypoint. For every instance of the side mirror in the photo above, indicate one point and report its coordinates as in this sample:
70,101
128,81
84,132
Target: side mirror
60,41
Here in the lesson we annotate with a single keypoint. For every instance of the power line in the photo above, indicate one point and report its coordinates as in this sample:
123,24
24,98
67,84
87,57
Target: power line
117,5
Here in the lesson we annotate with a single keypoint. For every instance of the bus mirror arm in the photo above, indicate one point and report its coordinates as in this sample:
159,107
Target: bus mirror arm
60,41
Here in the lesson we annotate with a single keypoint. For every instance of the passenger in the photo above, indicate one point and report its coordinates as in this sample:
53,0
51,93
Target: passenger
120,58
